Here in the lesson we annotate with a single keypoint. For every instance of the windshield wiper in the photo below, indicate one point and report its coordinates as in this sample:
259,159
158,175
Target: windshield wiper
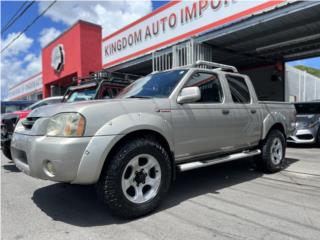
136,96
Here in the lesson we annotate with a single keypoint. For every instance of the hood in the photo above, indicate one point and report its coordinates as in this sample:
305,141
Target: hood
51,110
16,115
22,114
99,112
98,106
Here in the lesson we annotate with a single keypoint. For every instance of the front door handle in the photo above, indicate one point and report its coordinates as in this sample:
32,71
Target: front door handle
225,111
253,111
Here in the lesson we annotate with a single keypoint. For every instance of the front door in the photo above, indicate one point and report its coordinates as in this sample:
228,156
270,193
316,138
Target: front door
202,128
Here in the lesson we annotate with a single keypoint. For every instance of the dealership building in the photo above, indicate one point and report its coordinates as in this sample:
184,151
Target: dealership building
257,37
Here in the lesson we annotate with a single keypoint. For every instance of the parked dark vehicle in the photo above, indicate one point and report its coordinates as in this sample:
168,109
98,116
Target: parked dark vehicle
104,85
9,121
308,123
12,106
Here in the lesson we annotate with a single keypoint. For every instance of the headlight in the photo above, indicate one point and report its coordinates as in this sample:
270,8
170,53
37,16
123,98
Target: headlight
66,125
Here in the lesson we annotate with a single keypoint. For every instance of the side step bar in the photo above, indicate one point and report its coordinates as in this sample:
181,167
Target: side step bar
199,164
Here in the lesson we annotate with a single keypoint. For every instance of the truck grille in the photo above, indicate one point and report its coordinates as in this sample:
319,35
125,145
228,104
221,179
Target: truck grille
29,121
305,136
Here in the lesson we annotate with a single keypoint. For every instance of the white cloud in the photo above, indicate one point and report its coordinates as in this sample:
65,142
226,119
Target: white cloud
47,35
16,63
111,15
21,45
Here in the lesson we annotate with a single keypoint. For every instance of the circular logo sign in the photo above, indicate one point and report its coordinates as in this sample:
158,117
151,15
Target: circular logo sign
57,58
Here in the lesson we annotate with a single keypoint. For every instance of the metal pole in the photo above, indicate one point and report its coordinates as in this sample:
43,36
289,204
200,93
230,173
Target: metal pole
315,89
304,86
299,86
152,61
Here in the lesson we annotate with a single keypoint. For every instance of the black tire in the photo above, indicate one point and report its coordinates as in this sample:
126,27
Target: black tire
109,186
265,161
6,151
318,138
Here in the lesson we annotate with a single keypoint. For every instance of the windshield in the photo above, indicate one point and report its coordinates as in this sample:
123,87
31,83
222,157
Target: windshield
81,95
157,85
308,108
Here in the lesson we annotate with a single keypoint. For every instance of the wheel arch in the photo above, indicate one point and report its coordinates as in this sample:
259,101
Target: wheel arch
274,121
147,133
278,126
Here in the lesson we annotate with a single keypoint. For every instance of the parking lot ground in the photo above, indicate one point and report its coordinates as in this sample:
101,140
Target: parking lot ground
227,201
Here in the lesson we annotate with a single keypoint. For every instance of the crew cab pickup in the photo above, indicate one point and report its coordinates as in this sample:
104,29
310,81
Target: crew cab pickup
132,146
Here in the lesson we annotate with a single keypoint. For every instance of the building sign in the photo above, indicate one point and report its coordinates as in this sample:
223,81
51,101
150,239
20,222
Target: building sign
174,22
26,87
57,58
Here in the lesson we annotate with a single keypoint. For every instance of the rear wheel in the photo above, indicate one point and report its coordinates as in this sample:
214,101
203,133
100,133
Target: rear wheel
136,178
273,152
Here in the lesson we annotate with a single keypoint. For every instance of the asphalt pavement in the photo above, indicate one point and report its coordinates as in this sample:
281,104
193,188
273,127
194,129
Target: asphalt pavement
226,201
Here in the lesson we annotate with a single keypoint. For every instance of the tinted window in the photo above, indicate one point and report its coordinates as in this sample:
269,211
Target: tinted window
239,89
114,92
82,95
308,108
209,84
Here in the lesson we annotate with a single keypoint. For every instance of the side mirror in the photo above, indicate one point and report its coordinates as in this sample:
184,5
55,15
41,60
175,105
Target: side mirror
189,95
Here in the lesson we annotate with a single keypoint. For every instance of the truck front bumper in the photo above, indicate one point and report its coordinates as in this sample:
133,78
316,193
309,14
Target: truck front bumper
60,159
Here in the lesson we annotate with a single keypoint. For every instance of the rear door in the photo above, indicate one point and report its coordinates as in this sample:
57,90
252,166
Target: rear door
203,127
247,122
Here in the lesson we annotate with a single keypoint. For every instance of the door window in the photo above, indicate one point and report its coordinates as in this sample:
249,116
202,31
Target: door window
210,87
239,90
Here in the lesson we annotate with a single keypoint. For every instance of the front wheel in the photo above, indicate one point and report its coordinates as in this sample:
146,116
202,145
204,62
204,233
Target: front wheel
136,178
273,151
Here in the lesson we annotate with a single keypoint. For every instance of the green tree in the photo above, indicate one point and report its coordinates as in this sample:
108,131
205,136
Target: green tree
311,70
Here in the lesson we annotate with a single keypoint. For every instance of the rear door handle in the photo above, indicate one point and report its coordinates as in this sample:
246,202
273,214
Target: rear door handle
253,111
225,111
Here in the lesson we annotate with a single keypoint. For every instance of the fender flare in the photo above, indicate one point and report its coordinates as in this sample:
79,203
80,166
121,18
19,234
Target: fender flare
110,134
271,120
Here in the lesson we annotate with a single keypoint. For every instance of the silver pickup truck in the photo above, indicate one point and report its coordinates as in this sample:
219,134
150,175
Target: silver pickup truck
132,146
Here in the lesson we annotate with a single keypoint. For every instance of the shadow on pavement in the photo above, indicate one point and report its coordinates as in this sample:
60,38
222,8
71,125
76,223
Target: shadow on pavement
306,146
10,167
78,205
289,161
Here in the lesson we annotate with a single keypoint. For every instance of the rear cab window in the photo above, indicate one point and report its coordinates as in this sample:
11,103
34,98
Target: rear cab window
239,89
209,85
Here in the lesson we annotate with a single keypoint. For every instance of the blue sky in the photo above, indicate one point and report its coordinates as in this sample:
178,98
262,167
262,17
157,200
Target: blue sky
23,59
311,62
8,8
